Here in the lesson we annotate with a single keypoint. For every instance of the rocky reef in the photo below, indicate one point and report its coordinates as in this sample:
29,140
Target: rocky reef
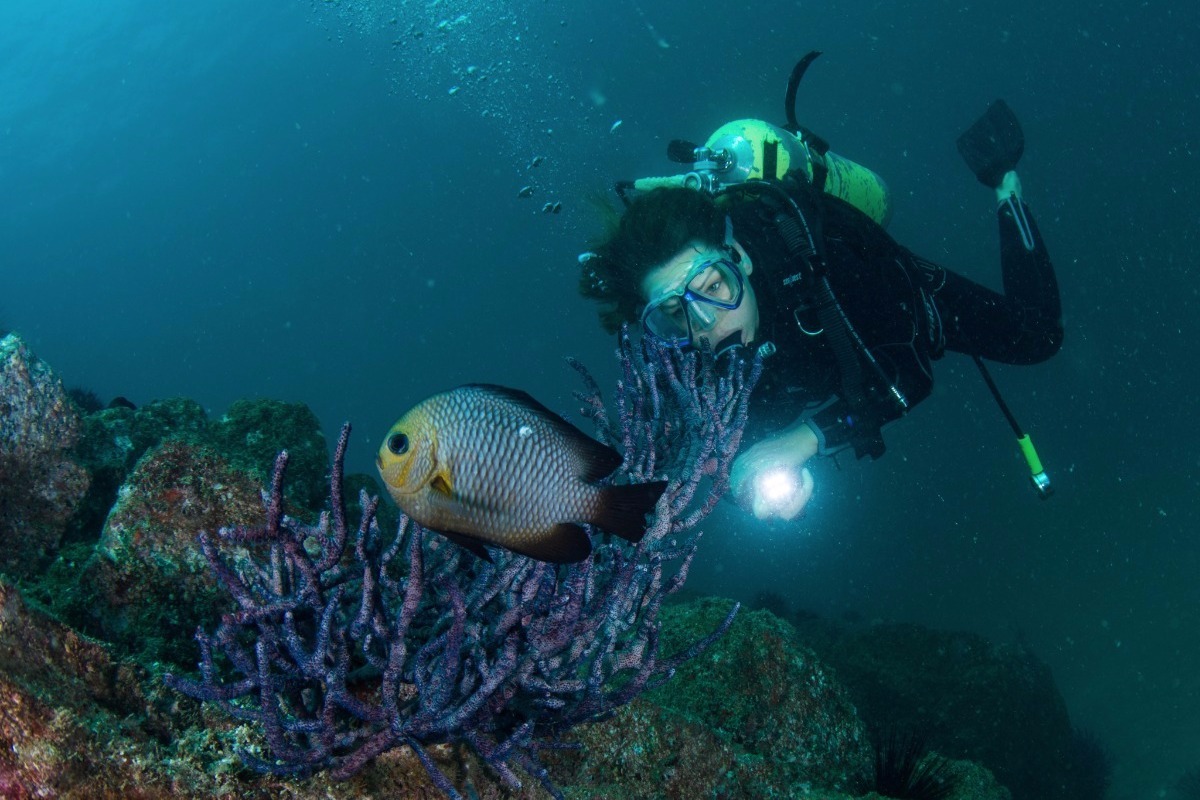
104,583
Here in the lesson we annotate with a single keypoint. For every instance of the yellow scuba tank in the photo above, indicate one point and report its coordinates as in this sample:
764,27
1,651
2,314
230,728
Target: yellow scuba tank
750,149
755,149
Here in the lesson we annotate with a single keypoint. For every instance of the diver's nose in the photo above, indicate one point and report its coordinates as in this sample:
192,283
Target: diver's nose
704,316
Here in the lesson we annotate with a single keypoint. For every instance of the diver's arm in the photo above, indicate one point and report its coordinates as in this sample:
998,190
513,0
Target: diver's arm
837,426
1024,324
1030,284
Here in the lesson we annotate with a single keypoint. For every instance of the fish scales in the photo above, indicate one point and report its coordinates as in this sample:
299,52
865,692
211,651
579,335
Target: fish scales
513,463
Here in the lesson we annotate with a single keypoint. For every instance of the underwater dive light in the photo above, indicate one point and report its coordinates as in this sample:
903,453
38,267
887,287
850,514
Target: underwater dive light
1041,481
777,487
780,492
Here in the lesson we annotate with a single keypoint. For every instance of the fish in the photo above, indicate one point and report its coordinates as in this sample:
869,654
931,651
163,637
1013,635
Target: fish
525,191
486,465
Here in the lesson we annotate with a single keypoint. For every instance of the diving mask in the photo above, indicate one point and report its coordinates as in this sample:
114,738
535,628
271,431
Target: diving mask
713,283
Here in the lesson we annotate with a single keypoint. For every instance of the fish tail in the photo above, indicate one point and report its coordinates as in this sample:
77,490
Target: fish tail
623,509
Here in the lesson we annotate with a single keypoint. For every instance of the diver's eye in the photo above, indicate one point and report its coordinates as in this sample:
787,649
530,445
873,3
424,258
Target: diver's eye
397,443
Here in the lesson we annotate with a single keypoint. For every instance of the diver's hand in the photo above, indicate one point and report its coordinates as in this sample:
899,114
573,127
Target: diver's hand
770,479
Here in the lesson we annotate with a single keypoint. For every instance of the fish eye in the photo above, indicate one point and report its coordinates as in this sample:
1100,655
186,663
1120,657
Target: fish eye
397,443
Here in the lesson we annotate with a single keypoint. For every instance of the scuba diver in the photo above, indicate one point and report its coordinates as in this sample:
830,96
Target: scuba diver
773,243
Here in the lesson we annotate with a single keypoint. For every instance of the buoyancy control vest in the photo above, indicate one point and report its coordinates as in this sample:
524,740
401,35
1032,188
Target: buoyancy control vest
845,301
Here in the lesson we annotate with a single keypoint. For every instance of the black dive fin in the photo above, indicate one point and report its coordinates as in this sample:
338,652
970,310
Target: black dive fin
993,145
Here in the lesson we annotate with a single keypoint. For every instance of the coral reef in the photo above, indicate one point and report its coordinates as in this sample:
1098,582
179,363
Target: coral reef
84,644
40,485
112,440
63,697
341,650
754,716
80,722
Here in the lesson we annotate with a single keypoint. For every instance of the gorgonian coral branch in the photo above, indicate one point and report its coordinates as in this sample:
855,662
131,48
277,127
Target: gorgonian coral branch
347,644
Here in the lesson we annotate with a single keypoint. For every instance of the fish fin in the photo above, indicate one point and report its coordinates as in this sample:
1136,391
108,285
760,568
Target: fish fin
566,543
594,459
468,542
441,484
623,509
597,459
448,501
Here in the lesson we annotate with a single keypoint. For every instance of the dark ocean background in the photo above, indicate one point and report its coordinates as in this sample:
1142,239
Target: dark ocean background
319,203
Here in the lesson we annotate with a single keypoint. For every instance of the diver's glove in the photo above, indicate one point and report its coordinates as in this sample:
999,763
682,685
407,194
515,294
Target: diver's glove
770,480
993,145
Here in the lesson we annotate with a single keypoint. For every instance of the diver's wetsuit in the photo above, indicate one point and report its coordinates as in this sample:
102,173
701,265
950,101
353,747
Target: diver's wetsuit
906,311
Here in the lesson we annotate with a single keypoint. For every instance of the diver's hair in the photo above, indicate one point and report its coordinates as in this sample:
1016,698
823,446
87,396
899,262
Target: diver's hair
655,226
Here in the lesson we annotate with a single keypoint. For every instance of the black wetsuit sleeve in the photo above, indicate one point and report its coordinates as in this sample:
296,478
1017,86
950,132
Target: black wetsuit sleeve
1021,326
837,427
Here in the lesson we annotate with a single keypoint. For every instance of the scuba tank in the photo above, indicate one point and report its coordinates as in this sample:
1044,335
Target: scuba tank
762,150
751,149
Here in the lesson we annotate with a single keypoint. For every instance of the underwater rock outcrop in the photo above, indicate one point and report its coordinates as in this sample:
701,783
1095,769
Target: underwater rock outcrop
755,716
147,583
996,705
40,483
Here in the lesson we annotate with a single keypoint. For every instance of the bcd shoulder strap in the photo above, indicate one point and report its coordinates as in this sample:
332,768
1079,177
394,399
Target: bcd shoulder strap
798,220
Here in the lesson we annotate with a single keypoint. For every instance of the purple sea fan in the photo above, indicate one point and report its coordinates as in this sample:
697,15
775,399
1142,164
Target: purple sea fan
345,645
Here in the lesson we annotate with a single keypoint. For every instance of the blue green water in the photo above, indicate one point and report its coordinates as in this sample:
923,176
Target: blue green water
319,202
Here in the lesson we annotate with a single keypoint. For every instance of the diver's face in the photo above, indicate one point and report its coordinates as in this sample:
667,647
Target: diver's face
721,327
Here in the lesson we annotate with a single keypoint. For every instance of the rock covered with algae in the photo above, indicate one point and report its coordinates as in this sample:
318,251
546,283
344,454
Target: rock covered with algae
755,716
80,721
148,585
996,705
40,483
